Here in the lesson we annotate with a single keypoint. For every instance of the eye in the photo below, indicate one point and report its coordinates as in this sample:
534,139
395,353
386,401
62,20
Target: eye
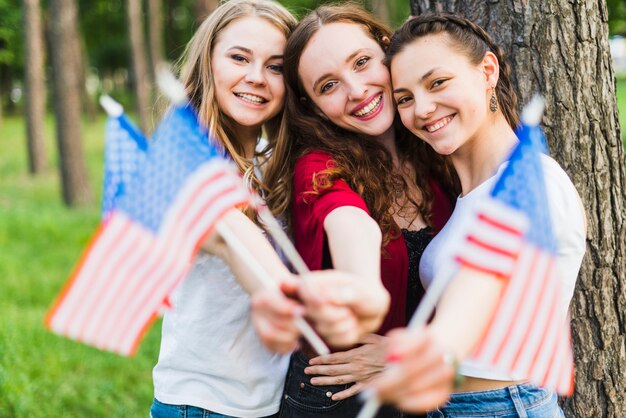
402,100
276,68
239,58
438,82
361,62
327,86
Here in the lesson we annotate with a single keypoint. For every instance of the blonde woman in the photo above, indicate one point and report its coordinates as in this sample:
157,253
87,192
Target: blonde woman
211,362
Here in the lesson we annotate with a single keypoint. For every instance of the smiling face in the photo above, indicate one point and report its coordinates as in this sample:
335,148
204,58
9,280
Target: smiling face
246,63
342,72
441,96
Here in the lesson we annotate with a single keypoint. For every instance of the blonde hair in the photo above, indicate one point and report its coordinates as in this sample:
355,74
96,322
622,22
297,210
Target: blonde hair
197,77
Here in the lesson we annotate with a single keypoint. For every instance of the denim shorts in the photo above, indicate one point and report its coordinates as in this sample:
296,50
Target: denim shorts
301,399
523,401
163,410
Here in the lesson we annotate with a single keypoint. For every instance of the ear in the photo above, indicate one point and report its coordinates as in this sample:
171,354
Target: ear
491,69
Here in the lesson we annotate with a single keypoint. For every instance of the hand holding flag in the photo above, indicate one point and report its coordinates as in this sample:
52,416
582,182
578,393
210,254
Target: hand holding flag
144,247
511,240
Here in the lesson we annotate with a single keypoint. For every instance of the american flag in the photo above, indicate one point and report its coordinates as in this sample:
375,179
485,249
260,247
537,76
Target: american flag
512,238
125,148
145,246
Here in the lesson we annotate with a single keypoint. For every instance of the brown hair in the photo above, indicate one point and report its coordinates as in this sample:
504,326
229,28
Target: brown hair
364,164
470,39
197,77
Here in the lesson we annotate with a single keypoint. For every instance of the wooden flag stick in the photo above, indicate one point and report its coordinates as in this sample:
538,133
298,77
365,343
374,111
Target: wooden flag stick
246,256
282,240
419,318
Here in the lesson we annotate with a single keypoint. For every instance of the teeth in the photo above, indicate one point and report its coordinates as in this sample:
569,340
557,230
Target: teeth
439,125
251,98
370,107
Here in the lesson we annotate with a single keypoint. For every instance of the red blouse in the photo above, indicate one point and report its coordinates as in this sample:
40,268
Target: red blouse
310,210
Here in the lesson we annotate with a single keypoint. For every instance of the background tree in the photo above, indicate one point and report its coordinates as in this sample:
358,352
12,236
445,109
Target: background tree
380,9
35,86
203,8
561,50
67,99
141,77
155,19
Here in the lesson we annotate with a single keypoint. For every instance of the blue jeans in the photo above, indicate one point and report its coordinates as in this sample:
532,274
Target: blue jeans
303,400
163,410
524,401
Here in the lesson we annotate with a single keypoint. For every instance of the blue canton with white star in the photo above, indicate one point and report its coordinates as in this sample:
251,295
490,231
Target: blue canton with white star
179,147
124,152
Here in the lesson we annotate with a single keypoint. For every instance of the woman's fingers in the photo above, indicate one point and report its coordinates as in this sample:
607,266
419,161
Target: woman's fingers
273,316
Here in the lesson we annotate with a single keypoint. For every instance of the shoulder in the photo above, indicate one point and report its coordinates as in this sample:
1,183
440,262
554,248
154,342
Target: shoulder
559,186
318,158
311,164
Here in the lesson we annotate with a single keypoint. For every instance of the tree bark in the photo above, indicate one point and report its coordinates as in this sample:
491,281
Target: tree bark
35,86
204,8
141,77
67,94
155,13
561,49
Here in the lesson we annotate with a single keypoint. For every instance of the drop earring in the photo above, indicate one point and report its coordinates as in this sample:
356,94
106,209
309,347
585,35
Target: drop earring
493,102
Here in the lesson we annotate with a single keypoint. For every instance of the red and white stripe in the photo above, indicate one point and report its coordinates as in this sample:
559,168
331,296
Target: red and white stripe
128,271
529,336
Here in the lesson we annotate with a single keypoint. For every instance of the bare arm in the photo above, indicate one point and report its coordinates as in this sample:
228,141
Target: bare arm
354,240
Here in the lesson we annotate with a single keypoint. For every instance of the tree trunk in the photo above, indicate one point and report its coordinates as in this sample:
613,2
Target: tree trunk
141,77
561,50
204,8
155,11
380,8
35,86
67,93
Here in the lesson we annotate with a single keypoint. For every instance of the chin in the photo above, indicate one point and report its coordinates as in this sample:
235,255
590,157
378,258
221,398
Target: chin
444,150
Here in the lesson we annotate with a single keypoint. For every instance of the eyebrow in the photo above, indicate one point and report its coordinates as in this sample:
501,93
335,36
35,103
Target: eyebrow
421,79
249,51
348,59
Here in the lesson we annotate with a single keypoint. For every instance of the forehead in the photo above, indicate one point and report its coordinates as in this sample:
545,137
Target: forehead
254,33
425,53
333,43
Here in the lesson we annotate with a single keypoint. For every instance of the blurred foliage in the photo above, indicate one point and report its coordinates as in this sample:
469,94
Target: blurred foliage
11,45
617,17
104,31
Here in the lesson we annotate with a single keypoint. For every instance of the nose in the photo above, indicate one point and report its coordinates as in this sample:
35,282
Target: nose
356,90
423,106
255,75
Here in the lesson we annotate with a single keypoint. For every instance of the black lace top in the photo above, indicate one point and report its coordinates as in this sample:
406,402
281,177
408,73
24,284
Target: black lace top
416,242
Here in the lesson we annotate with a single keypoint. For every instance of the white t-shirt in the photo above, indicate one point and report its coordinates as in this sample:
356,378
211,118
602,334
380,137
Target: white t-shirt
211,356
568,221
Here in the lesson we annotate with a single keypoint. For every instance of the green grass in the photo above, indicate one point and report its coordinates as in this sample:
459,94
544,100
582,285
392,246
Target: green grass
41,374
